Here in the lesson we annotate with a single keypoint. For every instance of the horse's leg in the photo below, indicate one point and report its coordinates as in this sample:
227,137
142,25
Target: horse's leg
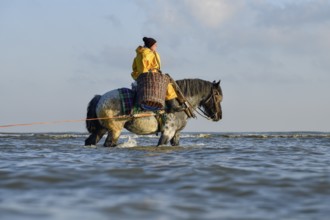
113,134
112,138
175,141
95,137
169,131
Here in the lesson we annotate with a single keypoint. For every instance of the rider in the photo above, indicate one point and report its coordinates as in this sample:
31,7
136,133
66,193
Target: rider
147,59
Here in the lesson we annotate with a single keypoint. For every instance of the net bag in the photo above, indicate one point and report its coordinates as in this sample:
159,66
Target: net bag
151,90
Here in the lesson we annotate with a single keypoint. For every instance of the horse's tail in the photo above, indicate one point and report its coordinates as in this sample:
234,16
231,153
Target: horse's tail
93,125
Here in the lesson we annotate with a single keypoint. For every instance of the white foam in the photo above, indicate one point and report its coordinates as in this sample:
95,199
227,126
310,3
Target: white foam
188,135
204,135
89,146
131,142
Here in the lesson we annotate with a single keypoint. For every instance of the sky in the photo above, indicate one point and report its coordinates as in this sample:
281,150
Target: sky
272,57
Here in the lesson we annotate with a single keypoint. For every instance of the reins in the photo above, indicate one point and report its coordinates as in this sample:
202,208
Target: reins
138,115
205,114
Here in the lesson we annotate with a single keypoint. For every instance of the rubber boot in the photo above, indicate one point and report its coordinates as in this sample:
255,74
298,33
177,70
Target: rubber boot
174,106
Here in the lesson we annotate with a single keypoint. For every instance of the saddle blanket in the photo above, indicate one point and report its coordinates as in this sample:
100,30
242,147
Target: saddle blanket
127,97
128,105
128,102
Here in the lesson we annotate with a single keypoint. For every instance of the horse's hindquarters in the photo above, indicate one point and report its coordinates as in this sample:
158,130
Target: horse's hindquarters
141,126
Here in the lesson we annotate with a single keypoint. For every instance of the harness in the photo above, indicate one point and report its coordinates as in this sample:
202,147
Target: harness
212,97
189,109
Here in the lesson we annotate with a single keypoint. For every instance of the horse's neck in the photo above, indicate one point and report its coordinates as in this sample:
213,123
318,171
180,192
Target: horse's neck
194,98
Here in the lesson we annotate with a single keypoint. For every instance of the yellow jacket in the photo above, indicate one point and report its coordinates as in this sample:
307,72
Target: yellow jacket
145,60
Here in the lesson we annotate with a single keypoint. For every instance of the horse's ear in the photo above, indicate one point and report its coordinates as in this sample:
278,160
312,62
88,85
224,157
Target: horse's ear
216,83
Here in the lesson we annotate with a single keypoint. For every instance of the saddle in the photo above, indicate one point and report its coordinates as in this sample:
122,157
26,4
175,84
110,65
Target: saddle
130,106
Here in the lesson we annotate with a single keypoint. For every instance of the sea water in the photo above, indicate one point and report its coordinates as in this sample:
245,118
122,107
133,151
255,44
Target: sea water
283,175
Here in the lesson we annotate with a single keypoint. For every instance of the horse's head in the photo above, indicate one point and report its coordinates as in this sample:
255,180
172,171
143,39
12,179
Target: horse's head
211,104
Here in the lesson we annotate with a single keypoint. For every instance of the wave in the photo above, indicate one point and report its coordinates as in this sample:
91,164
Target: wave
266,135
127,135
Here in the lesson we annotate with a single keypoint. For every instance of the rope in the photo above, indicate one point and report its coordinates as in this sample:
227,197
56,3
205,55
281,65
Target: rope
204,113
79,120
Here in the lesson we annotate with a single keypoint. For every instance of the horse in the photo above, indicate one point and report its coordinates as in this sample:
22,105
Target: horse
107,109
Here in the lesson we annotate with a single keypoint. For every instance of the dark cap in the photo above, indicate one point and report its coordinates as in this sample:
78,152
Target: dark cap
148,41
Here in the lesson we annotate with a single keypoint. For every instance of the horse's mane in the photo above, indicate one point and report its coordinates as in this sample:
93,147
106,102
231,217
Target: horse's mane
192,87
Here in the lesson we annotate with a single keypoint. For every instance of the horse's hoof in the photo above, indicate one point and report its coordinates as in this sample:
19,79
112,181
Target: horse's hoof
109,145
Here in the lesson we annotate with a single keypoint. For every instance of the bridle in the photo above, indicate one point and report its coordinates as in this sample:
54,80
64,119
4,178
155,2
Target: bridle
213,97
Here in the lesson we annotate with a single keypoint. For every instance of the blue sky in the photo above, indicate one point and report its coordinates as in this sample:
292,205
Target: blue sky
272,58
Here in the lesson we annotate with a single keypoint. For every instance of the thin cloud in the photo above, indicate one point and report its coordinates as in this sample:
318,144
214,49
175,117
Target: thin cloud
212,13
114,20
257,40
294,15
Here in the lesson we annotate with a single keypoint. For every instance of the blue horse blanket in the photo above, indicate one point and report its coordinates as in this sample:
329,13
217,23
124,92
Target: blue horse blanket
127,97
129,104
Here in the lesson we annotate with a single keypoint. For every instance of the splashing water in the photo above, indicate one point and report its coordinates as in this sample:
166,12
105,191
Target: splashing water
131,142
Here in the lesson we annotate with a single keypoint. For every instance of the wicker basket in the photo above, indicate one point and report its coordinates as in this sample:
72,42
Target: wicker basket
151,90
